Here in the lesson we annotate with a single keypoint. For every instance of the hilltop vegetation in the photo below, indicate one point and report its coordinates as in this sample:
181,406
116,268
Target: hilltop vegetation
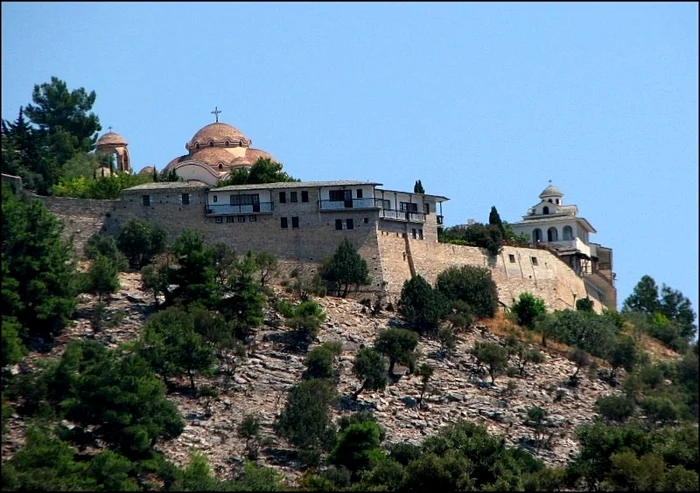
51,145
96,417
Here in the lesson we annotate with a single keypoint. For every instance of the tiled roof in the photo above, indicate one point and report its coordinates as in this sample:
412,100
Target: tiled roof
218,133
111,138
166,185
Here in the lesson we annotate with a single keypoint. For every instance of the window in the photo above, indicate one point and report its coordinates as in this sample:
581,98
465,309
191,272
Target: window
229,219
413,233
537,235
359,193
338,224
386,204
534,260
185,199
146,200
252,219
420,234
216,199
552,234
336,195
241,219
426,208
219,220
349,223
283,222
366,220
545,210
283,197
568,233
293,197
304,196
409,207
511,257
295,222
248,199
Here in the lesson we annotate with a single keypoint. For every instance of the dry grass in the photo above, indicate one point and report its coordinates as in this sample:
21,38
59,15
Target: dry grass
502,326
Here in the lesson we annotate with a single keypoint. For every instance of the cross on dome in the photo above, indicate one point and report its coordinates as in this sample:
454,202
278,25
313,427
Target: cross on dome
216,113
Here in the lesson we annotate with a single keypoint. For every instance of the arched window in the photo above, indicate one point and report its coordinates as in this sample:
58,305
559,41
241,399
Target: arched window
227,143
537,235
558,201
196,146
568,233
221,166
545,210
549,200
552,234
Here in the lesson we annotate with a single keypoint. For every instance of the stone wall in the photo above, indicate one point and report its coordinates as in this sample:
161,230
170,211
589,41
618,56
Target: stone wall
513,269
314,239
391,257
81,218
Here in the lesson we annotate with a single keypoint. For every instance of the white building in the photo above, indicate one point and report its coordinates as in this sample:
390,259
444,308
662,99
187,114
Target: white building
557,227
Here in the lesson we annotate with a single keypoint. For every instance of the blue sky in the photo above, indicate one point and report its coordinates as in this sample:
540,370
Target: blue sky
483,102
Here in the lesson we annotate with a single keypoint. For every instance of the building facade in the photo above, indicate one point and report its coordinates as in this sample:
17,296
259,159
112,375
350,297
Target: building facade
552,225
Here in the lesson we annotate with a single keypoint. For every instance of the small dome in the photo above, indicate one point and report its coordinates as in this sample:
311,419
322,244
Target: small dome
551,191
111,138
217,134
215,157
148,170
253,155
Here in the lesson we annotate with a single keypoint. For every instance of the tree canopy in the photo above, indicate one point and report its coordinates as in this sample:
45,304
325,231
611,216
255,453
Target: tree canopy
39,278
345,268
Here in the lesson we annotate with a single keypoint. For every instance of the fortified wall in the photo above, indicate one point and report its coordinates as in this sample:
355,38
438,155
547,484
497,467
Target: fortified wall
514,270
392,256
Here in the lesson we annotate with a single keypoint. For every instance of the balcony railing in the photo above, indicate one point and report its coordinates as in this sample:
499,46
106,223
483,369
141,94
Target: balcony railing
339,205
259,208
393,214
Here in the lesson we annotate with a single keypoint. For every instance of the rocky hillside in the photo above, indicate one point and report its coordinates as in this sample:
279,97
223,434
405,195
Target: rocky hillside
261,383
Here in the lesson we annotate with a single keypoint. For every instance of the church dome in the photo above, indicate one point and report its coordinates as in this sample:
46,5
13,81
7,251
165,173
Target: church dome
217,134
147,170
551,191
111,139
214,157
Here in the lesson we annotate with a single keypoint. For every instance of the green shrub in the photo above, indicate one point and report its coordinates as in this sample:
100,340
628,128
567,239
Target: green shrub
472,285
528,309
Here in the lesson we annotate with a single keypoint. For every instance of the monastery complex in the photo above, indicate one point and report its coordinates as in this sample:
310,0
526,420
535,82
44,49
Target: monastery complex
396,232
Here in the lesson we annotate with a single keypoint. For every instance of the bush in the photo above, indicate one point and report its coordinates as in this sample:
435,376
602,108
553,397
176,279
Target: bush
141,241
421,306
104,245
102,277
306,418
593,333
491,355
617,408
528,309
369,368
319,363
306,321
471,285
345,268
584,305
171,345
398,345
448,341
357,445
